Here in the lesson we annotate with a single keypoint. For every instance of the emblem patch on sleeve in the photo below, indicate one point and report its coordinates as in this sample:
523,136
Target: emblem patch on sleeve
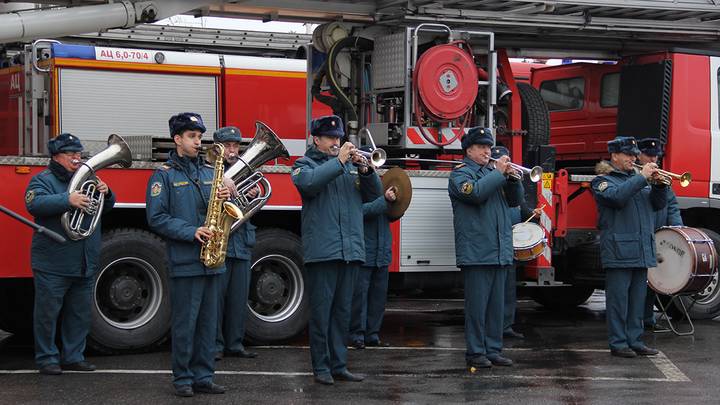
296,171
602,186
29,196
466,188
155,189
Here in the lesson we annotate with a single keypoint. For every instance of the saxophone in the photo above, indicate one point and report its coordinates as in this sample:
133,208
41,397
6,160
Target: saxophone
220,214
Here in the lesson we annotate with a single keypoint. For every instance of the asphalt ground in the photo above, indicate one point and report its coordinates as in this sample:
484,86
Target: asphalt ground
563,360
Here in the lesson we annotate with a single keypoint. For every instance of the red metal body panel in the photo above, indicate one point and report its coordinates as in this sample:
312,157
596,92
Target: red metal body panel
15,237
12,82
582,133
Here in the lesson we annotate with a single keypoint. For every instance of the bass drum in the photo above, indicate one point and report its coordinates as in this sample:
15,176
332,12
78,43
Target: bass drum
687,261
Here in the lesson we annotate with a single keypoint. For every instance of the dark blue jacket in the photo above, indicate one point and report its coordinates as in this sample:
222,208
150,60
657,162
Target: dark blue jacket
378,239
177,200
332,215
481,198
46,198
626,217
670,215
242,240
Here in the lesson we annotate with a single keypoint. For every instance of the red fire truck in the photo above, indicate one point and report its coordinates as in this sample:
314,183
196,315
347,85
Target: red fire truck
416,87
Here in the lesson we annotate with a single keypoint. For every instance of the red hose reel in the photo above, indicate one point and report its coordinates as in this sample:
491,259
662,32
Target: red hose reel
445,80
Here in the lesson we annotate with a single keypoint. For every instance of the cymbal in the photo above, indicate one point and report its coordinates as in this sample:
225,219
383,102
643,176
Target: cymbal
399,179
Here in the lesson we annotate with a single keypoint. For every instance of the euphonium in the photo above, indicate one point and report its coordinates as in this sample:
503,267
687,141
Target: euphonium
74,221
220,214
266,145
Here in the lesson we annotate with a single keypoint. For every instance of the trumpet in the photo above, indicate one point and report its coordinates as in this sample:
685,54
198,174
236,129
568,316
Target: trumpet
666,177
534,174
376,158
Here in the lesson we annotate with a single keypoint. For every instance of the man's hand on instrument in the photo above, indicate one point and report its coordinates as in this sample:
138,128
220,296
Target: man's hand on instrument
390,194
501,164
202,234
649,170
253,192
537,211
224,193
102,186
230,184
345,151
79,200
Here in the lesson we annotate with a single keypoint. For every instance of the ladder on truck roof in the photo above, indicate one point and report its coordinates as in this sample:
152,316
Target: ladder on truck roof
260,43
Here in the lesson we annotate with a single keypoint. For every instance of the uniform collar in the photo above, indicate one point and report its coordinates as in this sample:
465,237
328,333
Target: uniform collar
621,172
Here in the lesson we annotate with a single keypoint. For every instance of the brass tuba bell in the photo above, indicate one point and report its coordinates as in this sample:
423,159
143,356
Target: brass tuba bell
266,145
73,222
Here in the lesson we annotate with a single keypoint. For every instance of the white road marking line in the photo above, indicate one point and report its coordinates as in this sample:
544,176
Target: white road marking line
668,368
460,374
671,372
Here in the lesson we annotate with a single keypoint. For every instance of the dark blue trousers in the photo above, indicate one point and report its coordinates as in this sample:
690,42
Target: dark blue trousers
649,314
625,293
67,298
368,305
232,305
194,325
331,292
510,299
484,300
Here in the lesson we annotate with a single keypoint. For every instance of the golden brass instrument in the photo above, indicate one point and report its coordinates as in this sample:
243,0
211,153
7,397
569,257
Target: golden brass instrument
666,177
74,222
534,174
220,214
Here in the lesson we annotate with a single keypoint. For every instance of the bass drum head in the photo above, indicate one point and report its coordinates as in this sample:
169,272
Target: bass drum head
527,235
676,262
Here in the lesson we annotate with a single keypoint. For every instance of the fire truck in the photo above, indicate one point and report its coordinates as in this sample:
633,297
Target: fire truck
414,79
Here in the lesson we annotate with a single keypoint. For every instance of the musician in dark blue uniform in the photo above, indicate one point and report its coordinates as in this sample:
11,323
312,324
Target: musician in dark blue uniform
481,196
64,274
235,282
627,209
371,286
651,149
177,200
332,191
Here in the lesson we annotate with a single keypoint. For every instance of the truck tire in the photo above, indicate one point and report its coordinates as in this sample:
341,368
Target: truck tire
535,119
561,297
278,307
131,298
706,304
16,306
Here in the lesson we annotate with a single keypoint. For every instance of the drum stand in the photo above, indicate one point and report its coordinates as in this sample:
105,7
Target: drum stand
673,323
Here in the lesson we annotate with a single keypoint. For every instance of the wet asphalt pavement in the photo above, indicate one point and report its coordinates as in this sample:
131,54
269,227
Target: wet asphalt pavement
563,359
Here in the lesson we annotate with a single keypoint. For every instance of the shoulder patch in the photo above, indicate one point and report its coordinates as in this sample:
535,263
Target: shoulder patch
155,189
29,196
602,186
460,166
296,171
466,188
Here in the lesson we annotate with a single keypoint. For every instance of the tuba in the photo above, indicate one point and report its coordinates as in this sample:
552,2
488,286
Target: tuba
266,145
74,221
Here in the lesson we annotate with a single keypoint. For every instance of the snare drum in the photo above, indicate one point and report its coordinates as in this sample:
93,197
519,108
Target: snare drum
686,261
528,241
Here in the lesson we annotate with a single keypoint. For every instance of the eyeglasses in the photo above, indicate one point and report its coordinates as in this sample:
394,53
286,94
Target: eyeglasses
72,153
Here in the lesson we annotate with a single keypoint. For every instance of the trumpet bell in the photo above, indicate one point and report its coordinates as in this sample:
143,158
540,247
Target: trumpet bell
536,174
378,158
685,179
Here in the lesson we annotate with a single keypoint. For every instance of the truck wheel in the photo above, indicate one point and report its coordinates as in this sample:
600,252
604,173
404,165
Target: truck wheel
706,304
561,297
131,301
278,300
535,119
